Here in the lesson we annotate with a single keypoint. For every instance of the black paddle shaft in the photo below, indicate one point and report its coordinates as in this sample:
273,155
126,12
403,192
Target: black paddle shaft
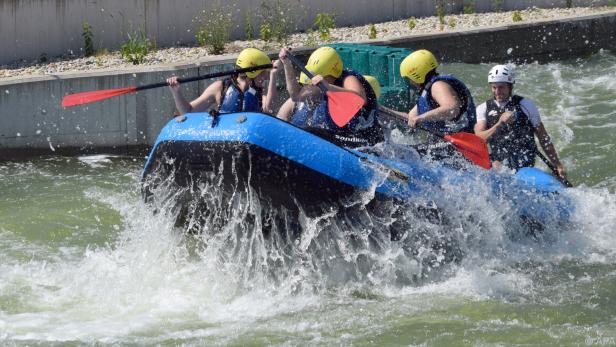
554,170
304,70
203,77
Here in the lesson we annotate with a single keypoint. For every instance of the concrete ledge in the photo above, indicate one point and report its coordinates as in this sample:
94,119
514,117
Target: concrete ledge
32,120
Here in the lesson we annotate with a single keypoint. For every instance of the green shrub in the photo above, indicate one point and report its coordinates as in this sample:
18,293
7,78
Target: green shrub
569,3
265,32
517,16
498,5
469,7
324,23
248,28
372,32
440,11
88,39
412,23
452,23
612,3
277,20
215,29
137,47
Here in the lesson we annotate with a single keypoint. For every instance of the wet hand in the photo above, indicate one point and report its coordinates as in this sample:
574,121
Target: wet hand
506,117
413,121
562,172
283,54
173,83
276,66
319,79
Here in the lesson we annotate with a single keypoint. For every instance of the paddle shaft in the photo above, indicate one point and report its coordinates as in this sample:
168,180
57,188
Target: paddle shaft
554,170
305,71
203,77
399,120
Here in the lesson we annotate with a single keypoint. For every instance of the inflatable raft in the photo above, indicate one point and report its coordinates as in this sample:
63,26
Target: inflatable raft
288,167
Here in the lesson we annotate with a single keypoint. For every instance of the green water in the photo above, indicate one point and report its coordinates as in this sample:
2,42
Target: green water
84,262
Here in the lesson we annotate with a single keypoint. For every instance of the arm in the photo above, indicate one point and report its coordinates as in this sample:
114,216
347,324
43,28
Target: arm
293,86
448,101
202,103
548,147
286,110
272,92
480,127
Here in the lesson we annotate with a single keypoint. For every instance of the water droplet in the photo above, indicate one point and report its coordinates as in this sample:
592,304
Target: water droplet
38,132
18,134
509,50
6,91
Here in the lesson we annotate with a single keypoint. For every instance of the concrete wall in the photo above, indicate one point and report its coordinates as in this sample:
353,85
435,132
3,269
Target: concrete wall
31,28
33,122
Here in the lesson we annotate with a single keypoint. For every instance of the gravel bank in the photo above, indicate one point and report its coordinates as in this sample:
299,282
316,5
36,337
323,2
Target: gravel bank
388,30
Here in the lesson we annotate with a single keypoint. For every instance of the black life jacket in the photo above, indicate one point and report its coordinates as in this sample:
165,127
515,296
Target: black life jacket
513,142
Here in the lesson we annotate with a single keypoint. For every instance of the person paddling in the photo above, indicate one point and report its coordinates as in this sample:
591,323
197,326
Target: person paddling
241,92
509,123
445,104
308,108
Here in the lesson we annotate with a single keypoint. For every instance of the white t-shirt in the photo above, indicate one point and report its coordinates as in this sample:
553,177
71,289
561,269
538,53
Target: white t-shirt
527,106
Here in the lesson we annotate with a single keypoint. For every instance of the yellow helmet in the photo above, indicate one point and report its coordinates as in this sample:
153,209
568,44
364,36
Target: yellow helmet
374,83
252,57
417,65
325,61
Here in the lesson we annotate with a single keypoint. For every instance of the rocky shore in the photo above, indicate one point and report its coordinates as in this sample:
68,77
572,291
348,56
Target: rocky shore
387,30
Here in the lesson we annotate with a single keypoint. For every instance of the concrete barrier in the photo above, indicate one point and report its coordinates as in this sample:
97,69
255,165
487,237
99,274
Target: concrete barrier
31,29
33,122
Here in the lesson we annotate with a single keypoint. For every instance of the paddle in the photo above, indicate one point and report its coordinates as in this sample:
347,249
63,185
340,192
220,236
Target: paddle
471,146
342,105
88,97
554,170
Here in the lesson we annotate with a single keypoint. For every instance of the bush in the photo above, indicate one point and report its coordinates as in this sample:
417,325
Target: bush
276,20
469,7
569,3
137,47
452,23
215,29
88,39
412,23
440,11
248,28
498,5
517,16
372,32
324,24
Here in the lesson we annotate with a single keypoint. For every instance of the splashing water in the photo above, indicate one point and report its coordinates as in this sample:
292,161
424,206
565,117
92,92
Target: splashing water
84,260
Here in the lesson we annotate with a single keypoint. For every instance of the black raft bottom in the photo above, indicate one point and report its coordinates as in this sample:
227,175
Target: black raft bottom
232,166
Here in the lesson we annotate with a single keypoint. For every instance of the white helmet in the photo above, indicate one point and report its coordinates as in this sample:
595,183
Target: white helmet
501,73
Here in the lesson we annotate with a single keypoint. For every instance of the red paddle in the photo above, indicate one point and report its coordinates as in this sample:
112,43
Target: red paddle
471,146
342,105
88,97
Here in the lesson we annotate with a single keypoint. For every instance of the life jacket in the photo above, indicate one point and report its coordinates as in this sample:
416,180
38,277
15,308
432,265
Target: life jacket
362,130
513,143
234,100
467,118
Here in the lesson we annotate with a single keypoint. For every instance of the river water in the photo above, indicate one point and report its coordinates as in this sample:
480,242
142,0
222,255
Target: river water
83,261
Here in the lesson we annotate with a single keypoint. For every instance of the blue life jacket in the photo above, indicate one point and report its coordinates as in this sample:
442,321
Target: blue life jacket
234,100
467,118
363,129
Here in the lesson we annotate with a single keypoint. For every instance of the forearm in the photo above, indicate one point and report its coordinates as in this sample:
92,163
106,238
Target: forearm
293,86
442,113
272,93
549,150
485,134
182,105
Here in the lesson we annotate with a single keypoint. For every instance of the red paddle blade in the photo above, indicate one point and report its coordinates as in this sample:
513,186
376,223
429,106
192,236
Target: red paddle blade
343,106
88,97
472,148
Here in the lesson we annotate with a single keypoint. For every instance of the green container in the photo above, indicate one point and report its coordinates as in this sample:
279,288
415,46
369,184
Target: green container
383,63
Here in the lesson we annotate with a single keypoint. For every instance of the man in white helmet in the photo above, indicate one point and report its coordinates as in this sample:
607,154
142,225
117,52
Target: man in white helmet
509,123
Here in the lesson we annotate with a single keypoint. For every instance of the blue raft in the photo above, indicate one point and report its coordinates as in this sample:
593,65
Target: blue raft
289,167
